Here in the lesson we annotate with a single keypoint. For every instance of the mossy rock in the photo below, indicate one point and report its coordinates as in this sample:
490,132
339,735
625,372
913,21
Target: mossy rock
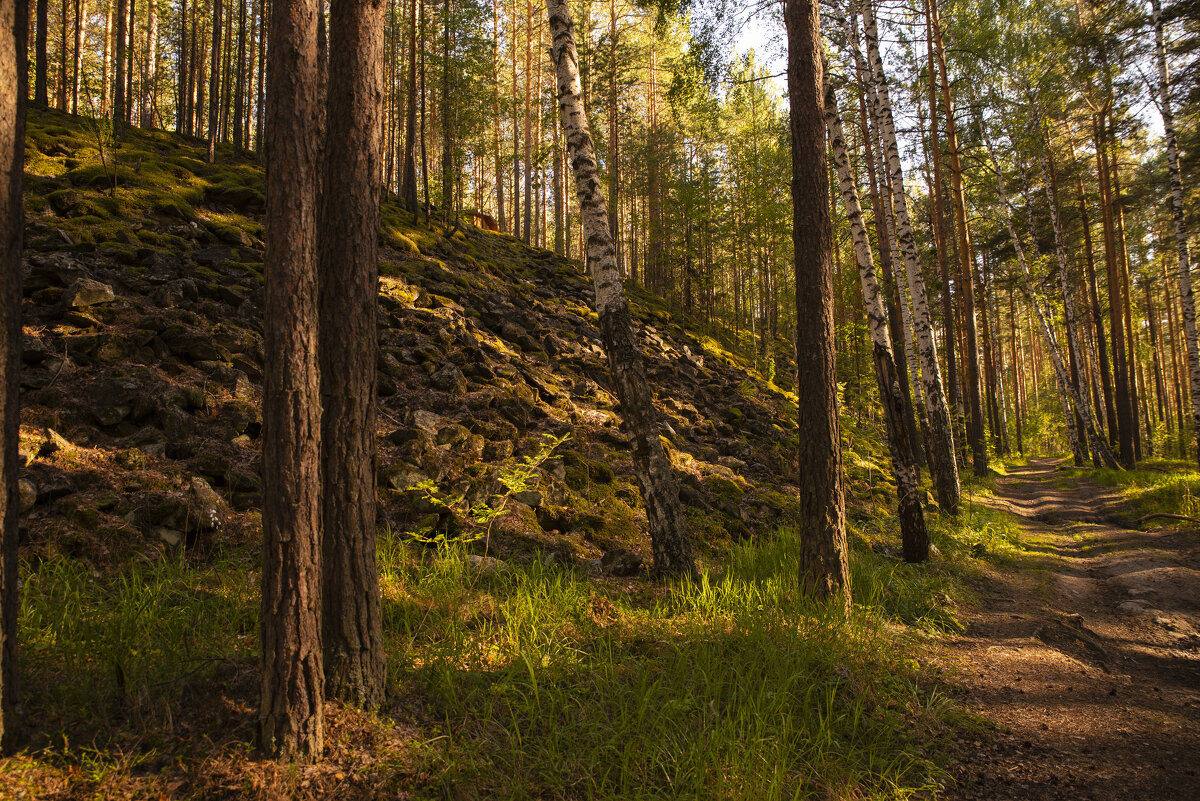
173,207
583,472
724,492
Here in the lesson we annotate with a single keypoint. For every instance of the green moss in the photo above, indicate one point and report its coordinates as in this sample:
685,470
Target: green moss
174,207
724,492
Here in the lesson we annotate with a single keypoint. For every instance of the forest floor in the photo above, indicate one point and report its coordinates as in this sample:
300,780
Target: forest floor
1086,660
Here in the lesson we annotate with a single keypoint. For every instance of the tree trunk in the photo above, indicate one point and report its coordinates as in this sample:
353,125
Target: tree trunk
668,533
239,92
447,128
913,533
120,37
182,72
408,183
824,557
291,722
1060,370
13,74
1177,220
214,101
943,467
41,95
500,219
150,75
1116,316
352,629
966,271
77,61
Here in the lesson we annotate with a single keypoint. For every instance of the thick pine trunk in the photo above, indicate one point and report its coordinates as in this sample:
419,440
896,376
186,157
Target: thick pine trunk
1177,220
913,533
291,709
13,43
943,467
824,557
668,532
352,628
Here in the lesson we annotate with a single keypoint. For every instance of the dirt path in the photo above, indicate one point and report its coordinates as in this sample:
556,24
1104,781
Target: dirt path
1087,657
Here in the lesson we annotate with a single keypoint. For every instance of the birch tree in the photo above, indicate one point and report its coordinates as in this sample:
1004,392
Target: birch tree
913,533
943,467
668,532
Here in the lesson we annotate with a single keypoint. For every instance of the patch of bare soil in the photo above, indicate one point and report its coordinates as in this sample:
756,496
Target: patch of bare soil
1085,656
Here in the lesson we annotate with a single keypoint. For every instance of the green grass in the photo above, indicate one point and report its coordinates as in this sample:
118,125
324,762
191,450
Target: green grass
541,683
1171,486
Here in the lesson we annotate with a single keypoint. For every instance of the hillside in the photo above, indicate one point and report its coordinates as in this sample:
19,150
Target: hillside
143,360
513,550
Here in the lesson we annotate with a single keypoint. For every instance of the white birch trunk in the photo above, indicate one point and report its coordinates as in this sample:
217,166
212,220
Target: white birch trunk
943,466
668,530
901,449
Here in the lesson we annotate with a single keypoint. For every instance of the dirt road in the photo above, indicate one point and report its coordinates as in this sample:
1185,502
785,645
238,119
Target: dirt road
1086,656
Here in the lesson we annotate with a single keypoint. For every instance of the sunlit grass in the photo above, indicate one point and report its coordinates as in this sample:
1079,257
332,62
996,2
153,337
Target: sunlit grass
730,686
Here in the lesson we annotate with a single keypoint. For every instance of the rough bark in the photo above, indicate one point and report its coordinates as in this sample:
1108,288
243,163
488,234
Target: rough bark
943,467
913,533
668,532
352,623
13,39
1177,220
824,563
291,708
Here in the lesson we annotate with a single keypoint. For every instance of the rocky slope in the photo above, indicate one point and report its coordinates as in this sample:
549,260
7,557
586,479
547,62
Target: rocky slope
143,358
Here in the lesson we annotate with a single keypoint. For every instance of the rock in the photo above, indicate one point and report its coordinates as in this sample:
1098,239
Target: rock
449,379
1133,607
54,443
621,563
453,434
207,509
117,398
484,565
53,488
403,478
427,421
170,536
86,292
531,498
29,494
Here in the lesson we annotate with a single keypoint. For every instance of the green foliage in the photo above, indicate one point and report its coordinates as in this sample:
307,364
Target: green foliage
732,686
1168,486
514,478
132,642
